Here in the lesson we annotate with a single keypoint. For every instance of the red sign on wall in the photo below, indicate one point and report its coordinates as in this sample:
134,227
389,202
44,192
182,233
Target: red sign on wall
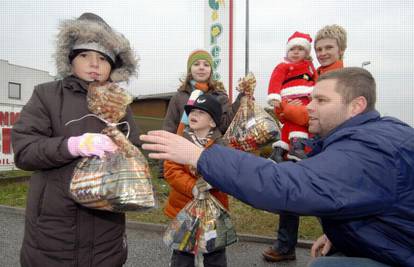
6,140
7,119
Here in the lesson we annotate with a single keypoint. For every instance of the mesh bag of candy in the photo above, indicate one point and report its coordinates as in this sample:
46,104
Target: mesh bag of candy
120,181
252,127
202,226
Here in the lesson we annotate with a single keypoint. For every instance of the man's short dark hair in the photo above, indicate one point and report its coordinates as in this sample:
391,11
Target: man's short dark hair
353,82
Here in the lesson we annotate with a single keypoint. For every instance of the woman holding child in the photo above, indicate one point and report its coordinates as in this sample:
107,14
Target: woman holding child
330,45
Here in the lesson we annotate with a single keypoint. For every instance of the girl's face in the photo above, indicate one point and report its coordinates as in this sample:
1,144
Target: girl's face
91,66
200,120
327,51
201,70
297,54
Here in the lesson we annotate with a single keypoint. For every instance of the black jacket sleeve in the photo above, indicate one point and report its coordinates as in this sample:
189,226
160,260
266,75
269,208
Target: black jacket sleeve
34,146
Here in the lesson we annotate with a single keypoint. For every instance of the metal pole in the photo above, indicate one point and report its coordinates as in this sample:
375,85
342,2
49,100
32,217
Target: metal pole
246,70
231,51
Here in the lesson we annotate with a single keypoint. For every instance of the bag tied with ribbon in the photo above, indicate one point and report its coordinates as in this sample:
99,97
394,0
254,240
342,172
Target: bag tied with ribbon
120,181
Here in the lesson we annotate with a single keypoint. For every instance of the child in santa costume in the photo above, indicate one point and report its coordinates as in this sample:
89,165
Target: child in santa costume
292,80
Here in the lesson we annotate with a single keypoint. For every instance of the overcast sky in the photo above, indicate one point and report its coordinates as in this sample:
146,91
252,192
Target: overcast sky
163,33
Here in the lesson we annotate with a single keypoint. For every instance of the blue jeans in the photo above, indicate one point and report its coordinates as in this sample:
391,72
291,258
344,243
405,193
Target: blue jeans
335,261
287,233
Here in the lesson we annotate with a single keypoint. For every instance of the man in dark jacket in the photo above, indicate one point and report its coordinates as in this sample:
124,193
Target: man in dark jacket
359,178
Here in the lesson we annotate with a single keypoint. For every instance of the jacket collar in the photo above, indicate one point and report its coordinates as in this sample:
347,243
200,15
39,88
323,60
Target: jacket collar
339,64
216,136
75,84
319,143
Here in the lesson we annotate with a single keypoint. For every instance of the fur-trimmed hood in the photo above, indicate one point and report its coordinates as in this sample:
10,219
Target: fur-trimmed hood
90,28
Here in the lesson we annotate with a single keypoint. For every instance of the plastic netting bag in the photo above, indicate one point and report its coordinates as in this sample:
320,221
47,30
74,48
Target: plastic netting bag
202,226
252,127
120,181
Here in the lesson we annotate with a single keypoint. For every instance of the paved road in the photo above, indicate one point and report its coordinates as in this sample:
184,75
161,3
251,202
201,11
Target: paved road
146,248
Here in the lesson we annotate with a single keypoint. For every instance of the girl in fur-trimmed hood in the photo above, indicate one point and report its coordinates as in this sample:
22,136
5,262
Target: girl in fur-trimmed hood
58,231
91,32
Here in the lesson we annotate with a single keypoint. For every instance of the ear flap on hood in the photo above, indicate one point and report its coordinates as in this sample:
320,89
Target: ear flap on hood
90,30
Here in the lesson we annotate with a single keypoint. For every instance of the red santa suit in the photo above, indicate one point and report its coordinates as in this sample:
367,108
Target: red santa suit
291,81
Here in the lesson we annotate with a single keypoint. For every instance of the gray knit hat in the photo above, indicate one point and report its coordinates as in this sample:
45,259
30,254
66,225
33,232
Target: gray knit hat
91,32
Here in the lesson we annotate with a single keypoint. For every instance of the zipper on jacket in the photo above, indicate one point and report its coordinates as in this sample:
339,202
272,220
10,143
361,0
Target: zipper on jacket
93,239
77,236
42,195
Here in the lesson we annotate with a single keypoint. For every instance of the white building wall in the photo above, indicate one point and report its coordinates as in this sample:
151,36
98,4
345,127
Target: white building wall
10,107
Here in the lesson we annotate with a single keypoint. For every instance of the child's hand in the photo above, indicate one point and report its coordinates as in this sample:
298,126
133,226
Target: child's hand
197,194
202,185
200,188
274,103
91,144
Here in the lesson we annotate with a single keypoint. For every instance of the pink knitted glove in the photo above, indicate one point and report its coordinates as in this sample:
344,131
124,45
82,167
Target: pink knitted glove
90,144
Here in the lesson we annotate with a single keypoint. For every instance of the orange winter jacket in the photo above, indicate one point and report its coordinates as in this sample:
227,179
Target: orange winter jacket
181,183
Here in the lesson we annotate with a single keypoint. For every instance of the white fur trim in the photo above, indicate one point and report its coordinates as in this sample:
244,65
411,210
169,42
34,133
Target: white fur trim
298,41
281,144
271,97
298,135
296,90
83,31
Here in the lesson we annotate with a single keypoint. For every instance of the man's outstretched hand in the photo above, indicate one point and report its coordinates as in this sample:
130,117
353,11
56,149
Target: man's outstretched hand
321,247
169,146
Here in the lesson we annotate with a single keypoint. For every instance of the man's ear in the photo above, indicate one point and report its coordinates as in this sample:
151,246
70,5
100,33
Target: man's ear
358,105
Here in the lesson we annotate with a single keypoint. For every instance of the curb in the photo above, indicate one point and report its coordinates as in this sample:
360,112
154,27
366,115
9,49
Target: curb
160,228
12,210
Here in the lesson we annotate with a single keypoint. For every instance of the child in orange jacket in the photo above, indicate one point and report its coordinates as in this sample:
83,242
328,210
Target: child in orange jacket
292,80
203,117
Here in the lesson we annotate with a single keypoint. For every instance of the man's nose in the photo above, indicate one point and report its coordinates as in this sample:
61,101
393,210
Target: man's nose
309,107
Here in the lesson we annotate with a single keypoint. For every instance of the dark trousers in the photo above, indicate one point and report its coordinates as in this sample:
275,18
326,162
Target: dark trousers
287,233
161,169
213,259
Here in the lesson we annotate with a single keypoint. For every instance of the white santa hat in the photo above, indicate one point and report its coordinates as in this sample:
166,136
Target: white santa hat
299,39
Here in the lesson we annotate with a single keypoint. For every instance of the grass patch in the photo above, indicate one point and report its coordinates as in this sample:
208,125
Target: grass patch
15,173
13,194
247,220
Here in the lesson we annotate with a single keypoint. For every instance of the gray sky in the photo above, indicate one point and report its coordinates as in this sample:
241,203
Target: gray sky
163,33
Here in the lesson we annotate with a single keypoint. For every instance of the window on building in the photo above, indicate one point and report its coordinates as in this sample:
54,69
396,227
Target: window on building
14,90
